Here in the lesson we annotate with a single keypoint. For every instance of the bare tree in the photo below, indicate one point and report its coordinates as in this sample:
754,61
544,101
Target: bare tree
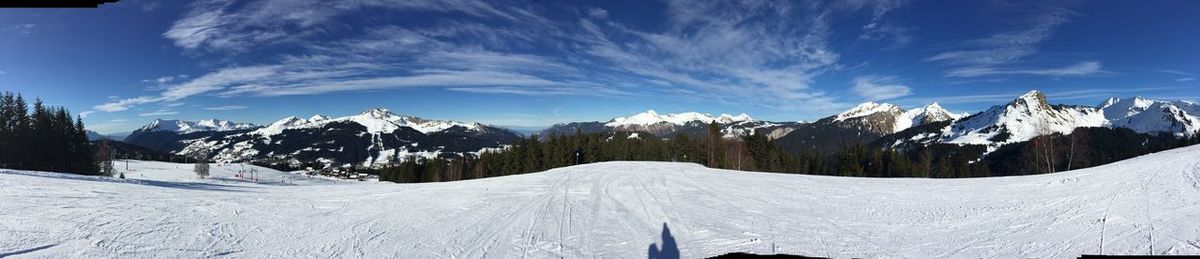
201,168
105,155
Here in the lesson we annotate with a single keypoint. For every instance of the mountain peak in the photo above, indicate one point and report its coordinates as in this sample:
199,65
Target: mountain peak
651,117
377,112
1109,102
1033,94
181,126
1033,100
726,118
867,108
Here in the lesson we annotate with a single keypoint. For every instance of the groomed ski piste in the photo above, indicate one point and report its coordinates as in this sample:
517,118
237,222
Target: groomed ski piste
1144,205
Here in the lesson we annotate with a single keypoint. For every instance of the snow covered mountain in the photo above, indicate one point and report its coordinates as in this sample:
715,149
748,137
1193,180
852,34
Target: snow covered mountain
886,118
651,117
667,125
372,138
168,135
1179,118
184,127
376,121
1030,115
1022,119
864,123
92,136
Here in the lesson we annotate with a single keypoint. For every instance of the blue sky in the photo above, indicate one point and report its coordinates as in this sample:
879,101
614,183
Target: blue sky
529,64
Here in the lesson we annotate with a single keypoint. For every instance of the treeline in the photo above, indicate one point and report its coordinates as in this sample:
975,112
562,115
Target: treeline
1085,147
44,139
535,154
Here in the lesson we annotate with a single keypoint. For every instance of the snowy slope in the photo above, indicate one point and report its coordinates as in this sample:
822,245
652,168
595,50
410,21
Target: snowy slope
612,210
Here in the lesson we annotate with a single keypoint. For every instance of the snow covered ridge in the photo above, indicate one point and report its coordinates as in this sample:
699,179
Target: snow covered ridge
886,118
668,125
1030,115
651,117
1144,205
375,137
1181,118
377,120
184,127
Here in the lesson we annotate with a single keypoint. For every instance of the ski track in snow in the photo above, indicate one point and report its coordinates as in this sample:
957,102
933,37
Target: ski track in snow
1143,205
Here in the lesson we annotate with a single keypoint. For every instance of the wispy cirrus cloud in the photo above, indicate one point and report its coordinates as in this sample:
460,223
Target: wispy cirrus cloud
1176,72
761,52
1185,79
1006,52
25,28
165,79
1008,46
1080,69
882,29
225,108
875,88
162,112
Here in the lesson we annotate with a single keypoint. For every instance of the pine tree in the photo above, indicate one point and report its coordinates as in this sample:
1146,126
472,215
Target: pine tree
713,145
7,129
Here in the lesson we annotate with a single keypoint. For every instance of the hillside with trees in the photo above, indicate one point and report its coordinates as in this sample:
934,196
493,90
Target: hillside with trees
1085,147
45,138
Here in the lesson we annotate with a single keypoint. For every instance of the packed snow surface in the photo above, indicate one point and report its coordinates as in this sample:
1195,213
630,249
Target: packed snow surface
1144,205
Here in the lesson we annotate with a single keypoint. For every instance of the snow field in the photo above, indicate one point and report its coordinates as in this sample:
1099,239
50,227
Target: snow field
1149,204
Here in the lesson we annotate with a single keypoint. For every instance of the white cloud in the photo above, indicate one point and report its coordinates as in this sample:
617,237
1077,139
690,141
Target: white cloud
1008,46
765,53
1176,72
1080,69
597,13
736,52
160,80
1032,26
21,28
1185,79
158,113
85,114
876,88
879,28
125,104
223,26
225,108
